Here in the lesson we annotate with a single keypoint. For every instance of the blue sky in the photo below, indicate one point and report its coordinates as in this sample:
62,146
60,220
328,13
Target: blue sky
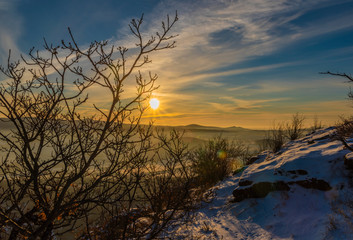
244,63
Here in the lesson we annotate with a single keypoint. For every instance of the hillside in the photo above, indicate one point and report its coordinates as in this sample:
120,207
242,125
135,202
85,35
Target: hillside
302,192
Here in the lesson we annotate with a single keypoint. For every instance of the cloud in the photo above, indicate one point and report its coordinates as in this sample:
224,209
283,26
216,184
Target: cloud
215,38
5,5
202,76
10,29
237,105
216,34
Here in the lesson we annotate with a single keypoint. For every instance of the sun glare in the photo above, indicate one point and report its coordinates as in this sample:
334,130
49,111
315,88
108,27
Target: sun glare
154,103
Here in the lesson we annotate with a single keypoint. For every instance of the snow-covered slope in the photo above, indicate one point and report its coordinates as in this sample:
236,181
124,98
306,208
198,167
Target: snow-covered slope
297,209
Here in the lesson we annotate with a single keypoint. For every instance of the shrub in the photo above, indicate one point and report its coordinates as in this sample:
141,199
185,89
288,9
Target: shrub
317,124
294,129
278,133
345,126
217,159
345,129
274,139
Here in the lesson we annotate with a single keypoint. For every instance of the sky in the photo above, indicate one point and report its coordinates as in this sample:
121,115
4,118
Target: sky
246,63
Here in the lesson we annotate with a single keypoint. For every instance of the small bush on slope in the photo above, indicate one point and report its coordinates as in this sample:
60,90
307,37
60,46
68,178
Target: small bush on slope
317,124
281,132
216,160
345,127
274,138
294,129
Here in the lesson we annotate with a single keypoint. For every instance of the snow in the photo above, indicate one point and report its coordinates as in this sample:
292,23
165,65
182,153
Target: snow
299,213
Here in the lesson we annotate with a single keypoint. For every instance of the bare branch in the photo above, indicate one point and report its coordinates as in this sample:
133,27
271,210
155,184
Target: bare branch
62,164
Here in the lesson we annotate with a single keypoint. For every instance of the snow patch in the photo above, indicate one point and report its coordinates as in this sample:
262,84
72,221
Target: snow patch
299,213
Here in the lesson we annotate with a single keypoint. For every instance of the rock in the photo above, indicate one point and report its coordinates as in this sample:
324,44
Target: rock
245,183
279,171
259,190
299,172
348,160
313,183
252,160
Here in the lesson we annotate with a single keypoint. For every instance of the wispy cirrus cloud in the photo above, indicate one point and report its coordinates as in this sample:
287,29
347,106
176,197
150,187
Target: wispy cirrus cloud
232,104
215,34
5,4
10,28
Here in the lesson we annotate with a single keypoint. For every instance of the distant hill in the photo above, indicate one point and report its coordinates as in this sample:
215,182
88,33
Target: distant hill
235,128
196,135
200,127
200,134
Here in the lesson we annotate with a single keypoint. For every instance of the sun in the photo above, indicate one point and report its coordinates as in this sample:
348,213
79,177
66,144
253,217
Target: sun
154,103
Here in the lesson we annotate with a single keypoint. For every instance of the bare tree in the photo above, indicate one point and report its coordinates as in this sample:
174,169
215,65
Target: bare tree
166,192
59,166
345,129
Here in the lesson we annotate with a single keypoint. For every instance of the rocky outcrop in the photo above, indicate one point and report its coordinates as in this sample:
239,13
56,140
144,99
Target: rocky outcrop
253,159
299,172
348,160
290,173
313,183
245,183
261,189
